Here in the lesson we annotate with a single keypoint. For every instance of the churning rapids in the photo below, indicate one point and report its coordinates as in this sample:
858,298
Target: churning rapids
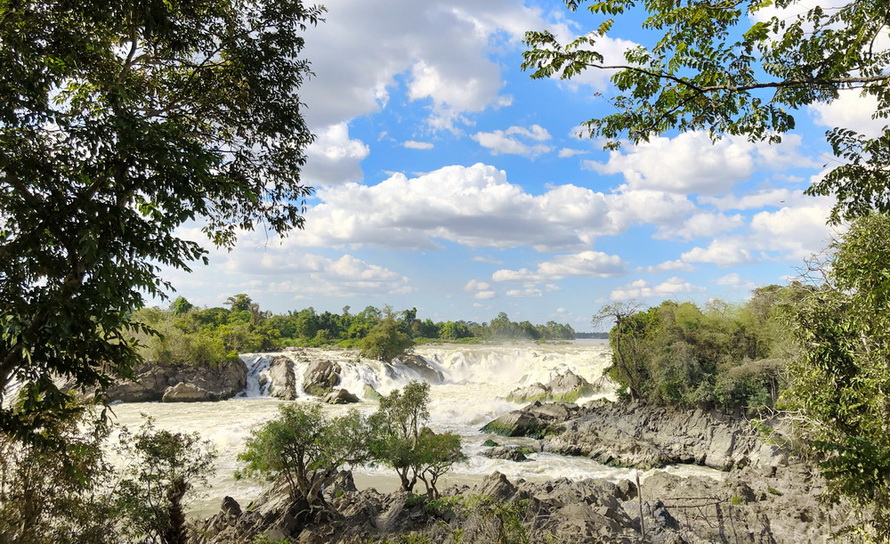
477,379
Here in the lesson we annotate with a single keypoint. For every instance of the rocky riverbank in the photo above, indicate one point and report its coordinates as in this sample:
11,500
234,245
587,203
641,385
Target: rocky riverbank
747,507
764,496
636,435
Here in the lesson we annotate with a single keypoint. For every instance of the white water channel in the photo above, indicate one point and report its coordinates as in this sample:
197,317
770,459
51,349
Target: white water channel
476,381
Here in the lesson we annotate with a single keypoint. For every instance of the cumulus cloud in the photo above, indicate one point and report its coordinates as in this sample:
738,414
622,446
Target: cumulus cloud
691,163
513,141
279,271
476,206
701,225
735,281
851,110
566,153
443,48
480,289
721,252
584,264
642,289
669,266
334,158
411,144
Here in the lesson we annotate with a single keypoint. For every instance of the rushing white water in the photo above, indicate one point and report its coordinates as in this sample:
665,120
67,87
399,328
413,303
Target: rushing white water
477,380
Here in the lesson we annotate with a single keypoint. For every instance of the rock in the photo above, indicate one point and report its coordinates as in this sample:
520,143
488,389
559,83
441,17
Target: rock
186,392
496,486
643,436
340,396
230,508
534,421
321,377
152,383
569,387
423,368
566,387
508,453
518,423
370,393
280,376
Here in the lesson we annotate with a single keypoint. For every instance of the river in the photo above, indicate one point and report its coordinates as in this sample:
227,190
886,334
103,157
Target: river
476,381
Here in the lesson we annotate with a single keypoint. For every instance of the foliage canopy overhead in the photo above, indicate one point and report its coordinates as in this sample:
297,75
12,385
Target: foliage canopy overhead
740,67
119,123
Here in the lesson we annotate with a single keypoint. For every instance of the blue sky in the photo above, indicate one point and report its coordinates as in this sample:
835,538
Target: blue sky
448,180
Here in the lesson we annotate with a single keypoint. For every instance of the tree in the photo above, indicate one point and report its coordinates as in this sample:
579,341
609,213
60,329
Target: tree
306,448
385,341
119,122
628,366
841,379
734,68
401,440
162,467
53,491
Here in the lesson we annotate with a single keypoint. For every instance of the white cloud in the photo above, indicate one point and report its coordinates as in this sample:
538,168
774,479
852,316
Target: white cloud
307,274
476,285
691,163
334,158
735,281
566,153
851,110
509,141
768,197
411,144
480,289
528,292
670,266
794,233
643,289
723,253
701,225
443,47
584,264
477,207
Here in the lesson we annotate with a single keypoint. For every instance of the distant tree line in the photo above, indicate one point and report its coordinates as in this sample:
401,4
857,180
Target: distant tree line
192,335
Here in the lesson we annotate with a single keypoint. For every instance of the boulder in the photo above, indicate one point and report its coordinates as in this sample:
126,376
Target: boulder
517,423
564,387
370,393
321,377
533,421
423,368
340,396
507,453
280,378
187,392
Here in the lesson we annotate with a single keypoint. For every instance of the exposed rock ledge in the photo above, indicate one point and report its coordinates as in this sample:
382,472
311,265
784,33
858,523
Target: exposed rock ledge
642,436
182,383
744,508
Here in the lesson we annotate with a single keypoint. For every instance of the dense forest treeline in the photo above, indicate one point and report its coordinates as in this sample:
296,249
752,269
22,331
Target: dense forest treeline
201,336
